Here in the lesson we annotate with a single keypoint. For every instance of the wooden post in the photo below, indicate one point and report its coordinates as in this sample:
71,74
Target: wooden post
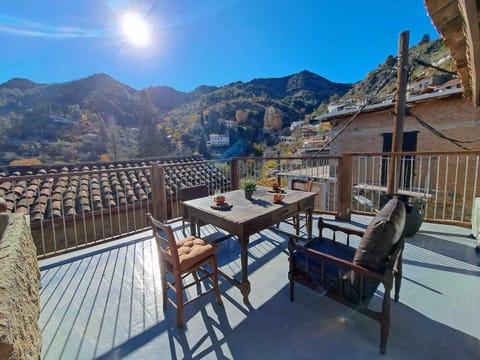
393,179
234,177
344,194
159,200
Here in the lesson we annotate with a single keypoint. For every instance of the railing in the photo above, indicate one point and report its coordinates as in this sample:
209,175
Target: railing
446,183
167,202
70,210
323,170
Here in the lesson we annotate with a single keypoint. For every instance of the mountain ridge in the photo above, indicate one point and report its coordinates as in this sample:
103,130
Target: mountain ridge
101,108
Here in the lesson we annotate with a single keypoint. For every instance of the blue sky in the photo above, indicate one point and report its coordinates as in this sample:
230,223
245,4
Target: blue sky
204,42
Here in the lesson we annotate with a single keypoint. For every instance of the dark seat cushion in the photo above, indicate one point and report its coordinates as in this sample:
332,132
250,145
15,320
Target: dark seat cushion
376,245
329,247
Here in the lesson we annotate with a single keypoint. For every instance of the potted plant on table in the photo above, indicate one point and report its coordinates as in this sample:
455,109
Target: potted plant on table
249,185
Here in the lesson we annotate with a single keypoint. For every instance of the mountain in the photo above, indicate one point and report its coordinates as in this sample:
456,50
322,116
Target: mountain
292,96
51,118
381,82
98,116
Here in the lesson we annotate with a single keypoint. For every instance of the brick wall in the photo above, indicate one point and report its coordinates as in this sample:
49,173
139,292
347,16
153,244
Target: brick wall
454,116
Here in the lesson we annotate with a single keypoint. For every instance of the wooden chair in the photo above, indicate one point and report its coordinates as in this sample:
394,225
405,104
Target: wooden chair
181,258
351,275
190,193
296,221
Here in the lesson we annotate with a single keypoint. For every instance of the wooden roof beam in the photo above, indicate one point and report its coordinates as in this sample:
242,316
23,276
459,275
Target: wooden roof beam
470,14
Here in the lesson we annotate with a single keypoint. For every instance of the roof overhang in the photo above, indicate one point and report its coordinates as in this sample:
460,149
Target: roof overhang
458,23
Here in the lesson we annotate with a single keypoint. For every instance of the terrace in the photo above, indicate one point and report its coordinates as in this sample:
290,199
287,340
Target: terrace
104,302
100,295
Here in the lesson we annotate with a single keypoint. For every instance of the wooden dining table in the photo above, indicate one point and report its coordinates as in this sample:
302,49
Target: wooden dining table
242,218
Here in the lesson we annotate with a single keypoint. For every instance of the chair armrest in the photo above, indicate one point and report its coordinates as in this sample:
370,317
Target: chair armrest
324,257
334,228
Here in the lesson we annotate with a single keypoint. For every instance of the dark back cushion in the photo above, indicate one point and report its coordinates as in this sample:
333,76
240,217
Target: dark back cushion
378,242
381,235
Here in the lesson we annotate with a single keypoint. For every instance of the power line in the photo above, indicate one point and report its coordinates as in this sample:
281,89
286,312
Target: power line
347,124
425,64
440,134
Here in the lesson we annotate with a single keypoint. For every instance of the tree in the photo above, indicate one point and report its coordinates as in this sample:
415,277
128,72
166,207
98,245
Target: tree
272,119
322,108
334,98
113,130
202,146
163,141
152,142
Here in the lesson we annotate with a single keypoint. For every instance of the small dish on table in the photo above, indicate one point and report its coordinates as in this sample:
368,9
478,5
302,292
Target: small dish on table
223,206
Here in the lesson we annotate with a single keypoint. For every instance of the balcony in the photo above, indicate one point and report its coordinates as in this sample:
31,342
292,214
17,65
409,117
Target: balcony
104,302
100,293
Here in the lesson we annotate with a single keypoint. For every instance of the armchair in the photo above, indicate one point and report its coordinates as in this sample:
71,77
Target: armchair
351,275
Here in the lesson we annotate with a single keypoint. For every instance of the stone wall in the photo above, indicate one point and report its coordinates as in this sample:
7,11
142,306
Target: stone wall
20,336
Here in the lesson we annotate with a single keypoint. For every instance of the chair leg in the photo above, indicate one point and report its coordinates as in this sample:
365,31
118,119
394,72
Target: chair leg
179,299
214,265
385,322
292,286
398,282
195,276
397,275
296,224
163,279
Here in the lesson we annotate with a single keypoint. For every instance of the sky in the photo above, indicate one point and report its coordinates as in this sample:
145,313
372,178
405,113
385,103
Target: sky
188,43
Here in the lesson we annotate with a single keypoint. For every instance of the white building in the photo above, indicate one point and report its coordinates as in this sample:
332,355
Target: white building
231,124
219,140
296,124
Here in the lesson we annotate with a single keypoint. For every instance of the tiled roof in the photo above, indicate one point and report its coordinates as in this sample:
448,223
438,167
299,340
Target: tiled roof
74,189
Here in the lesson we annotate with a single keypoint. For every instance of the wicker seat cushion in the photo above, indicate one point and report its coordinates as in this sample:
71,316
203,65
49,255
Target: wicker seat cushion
191,250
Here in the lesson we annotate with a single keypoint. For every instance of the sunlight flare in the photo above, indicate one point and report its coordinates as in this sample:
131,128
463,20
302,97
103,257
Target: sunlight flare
136,29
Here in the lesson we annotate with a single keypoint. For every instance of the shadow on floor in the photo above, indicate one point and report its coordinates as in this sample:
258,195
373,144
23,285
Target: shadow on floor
312,327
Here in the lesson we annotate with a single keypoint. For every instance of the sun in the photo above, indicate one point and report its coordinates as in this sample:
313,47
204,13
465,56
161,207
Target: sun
136,29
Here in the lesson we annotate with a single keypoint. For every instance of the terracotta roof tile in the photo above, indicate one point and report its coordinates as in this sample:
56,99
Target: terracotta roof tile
73,193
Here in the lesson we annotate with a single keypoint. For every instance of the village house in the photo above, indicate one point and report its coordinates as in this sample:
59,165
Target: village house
296,125
218,140
229,124
446,111
427,84
344,105
437,121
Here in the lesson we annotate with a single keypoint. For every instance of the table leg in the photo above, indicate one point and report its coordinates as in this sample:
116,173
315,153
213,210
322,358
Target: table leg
244,285
193,227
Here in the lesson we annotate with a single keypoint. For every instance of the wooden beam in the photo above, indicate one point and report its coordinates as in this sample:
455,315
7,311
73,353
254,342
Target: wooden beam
400,100
469,11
